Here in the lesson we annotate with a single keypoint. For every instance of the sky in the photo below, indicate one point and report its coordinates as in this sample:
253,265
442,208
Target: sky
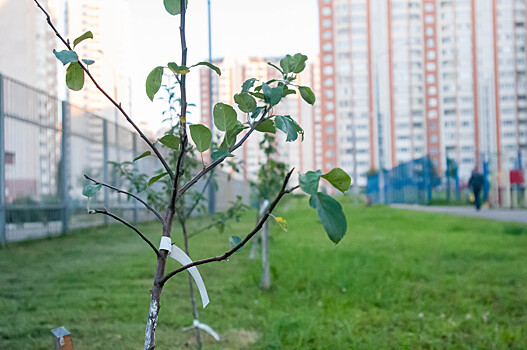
240,28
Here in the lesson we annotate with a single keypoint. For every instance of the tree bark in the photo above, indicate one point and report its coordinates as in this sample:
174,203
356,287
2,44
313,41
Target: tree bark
155,303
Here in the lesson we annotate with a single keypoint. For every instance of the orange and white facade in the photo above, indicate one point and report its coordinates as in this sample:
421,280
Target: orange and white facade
409,78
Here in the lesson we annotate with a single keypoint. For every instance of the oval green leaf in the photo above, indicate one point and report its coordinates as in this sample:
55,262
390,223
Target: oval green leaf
288,126
246,103
234,241
266,126
221,153
224,117
210,65
174,6
170,141
66,56
330,214
248,84
75,76
339,179
87,35
202,137
307,94
156,178
91,190
272,95
309,181
145,154
153,82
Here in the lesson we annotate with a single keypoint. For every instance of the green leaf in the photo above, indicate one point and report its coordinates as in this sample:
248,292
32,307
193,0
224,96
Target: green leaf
171,141
87,35
145,154
75,76
272,95
257,112
307,94
288,91
281,222
230,136
293,64
266,126
248,84
246,103
182,70
221,153
330,214
88,62
258,95
91,190
288,126
234,241
174,6
156,178
210,65
224,117
202,136
66,56
339,179
272,65
309,181
153,82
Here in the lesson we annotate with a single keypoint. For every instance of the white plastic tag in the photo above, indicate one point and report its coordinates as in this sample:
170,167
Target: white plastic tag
183,259
204,327
165,244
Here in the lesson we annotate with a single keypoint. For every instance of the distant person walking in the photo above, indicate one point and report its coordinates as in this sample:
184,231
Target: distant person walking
476,182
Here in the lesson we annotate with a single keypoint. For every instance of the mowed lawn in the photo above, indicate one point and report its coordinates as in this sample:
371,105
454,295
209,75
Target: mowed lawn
399,279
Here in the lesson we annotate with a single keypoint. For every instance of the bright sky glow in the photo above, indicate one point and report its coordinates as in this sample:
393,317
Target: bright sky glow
240,28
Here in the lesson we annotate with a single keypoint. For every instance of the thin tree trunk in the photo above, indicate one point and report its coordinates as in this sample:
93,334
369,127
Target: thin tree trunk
265,283
155,303
254,244
157,288
191,286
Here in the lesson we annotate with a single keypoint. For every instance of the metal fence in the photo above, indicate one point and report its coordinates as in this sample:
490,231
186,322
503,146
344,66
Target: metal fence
410,182
46,145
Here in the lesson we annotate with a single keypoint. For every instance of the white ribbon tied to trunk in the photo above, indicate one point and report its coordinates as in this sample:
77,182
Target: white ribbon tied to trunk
204,327
179,255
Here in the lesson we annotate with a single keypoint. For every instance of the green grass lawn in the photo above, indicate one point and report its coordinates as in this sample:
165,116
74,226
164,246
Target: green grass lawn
399,279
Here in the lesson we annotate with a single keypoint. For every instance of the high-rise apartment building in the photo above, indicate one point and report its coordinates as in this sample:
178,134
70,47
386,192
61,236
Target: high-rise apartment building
302,155
27,43
401,79
110,23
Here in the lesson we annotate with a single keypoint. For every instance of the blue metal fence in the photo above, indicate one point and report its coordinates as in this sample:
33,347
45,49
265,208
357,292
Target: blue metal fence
409,182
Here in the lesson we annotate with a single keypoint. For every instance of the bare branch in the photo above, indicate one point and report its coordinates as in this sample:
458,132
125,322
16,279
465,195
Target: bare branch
106,212
155,212
115,103
225,256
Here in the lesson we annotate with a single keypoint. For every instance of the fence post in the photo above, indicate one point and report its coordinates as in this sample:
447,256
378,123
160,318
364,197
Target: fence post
105,164
64,164
429,179
2,166
134,139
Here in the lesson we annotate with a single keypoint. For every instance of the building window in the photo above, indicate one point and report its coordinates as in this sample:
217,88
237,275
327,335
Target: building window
10,158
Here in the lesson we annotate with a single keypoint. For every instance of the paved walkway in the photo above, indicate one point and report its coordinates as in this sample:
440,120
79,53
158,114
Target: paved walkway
515,215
